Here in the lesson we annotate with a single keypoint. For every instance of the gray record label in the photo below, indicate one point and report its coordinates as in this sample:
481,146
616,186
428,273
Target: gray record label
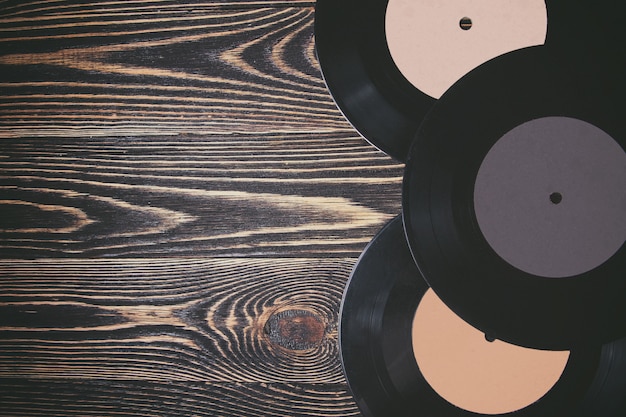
550,197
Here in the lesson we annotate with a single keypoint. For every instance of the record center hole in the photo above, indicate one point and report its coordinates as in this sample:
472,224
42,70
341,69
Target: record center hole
465,23
556,198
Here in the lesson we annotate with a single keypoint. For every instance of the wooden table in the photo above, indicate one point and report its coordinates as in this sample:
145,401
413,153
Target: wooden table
181,206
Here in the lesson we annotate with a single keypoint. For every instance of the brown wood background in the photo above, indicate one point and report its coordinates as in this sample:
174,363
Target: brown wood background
181,204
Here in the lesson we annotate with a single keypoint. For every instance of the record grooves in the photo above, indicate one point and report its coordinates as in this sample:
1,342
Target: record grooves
440,217
378,100
513,202
379,303
365,83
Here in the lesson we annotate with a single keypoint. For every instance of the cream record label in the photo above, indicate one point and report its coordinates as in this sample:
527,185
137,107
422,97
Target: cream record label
435,42
386,62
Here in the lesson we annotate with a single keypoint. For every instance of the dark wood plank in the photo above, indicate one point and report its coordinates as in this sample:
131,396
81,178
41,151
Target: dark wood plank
176,137
188,69
235,195
213,320
76,182
48,9
132,398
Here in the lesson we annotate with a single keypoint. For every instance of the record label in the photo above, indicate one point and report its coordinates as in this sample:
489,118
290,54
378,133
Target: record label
517,179
474,374
388,317
550,197
435,42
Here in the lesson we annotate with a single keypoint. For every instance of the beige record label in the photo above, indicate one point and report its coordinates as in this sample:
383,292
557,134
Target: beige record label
476,375
436,42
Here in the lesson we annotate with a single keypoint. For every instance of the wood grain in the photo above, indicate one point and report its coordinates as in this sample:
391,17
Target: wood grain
132,398
213,320
160,128
173,69
237,195
215,337
181,204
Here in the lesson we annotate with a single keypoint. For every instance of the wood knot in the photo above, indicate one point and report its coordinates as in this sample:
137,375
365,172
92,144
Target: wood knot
295,329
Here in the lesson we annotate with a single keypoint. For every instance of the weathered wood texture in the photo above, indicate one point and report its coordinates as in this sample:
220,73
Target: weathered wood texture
240,337
149,399
242,151
261,195
219,320
182,69
180,207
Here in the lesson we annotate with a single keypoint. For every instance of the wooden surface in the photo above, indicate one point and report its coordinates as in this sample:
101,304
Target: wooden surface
181,204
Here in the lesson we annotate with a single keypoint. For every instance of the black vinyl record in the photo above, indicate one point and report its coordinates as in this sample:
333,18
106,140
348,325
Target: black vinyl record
377,99
359,72
441,180
377,310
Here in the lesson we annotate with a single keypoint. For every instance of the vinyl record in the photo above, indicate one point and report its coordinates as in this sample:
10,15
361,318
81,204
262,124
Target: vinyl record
376,319
370,49
514,200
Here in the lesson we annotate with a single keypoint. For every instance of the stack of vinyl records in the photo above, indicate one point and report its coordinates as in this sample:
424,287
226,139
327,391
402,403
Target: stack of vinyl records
501,287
